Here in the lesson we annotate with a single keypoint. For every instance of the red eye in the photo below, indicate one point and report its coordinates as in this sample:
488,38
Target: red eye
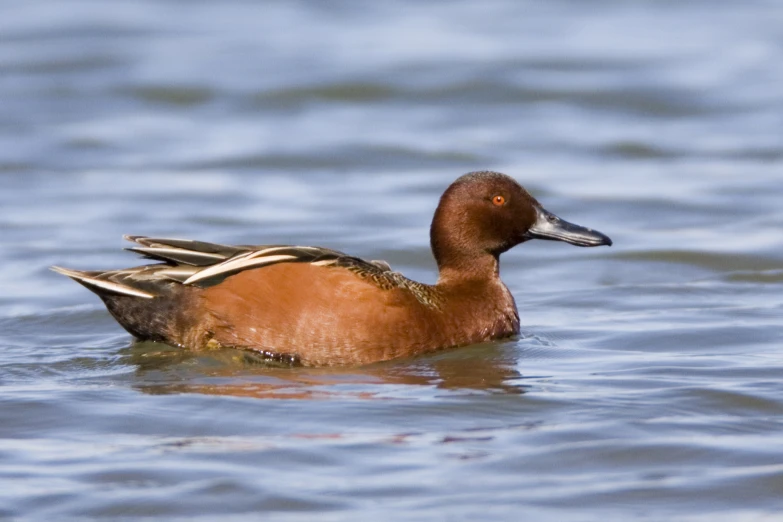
499,200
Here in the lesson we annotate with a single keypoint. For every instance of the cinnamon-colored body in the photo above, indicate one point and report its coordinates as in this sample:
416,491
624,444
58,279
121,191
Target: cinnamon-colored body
329,316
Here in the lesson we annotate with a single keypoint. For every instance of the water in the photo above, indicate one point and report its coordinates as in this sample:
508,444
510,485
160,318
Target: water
646,384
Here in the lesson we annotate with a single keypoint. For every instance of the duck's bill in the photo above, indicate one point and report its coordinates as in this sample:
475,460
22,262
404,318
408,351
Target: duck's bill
549,226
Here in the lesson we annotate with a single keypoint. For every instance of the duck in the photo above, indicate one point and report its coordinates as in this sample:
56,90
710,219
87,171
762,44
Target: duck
314,306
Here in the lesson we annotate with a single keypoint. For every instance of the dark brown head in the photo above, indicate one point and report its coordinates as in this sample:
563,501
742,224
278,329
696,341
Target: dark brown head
483,214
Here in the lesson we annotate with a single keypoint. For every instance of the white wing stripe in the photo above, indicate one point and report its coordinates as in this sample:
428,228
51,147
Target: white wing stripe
178,252
265,251
114,287
235,265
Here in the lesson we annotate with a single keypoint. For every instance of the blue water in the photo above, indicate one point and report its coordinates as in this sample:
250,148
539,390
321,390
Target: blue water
646,384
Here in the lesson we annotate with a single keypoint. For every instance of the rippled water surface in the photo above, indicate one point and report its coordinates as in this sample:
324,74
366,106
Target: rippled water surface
647,381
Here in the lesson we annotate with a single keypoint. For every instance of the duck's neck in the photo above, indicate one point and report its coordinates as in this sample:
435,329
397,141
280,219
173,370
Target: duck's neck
478,304
478,268
460,255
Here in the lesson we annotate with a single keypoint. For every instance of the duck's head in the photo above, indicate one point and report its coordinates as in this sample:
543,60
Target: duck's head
483,214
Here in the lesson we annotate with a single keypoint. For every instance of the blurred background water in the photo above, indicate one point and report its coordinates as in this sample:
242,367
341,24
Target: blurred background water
647,381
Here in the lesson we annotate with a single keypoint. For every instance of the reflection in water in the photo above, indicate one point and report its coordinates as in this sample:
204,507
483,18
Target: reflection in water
164,369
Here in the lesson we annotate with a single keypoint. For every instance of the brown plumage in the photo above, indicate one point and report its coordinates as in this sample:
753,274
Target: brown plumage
316,306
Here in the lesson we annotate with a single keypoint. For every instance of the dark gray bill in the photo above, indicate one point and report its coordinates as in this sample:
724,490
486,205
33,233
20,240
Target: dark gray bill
549,226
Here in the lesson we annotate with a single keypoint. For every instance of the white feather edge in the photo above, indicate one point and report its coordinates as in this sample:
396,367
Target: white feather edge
325,262
101,283
235,265
177,251
115,287
139,239
267,251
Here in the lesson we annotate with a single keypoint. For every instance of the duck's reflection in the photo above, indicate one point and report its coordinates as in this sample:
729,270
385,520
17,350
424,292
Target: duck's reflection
162,369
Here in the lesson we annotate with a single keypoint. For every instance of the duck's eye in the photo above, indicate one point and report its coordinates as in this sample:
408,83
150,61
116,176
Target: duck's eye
499,200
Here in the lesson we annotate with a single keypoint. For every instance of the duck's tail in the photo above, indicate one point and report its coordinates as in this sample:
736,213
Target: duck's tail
145,304
103,283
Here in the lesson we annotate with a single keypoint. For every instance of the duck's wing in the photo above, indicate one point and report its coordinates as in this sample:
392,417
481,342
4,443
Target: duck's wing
184,251
204,264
